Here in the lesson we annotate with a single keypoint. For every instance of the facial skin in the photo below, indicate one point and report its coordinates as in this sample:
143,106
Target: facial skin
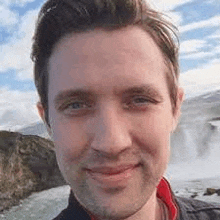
110,118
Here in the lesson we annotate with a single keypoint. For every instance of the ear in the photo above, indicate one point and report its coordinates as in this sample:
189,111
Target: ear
41,112
177,110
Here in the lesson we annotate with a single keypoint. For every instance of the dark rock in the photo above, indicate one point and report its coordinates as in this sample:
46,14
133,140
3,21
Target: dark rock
209,191
194,195
27,164
218,192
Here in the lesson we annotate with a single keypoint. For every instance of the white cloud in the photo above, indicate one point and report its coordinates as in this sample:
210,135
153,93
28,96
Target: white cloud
212,2
20,3
211,22
16,53
198,49
167,5
201,80
7,17
174,17
217,50
17,108
215,35
191,46
197,55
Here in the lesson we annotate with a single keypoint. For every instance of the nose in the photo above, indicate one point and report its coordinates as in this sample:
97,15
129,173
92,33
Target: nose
111,133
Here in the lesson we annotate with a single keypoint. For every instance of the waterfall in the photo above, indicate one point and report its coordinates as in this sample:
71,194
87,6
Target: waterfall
195,152
195,145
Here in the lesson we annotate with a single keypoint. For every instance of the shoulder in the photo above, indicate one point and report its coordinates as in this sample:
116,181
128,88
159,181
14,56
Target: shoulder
74,211
196,209
72,214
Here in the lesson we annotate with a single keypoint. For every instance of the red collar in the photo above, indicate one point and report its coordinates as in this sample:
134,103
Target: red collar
164,193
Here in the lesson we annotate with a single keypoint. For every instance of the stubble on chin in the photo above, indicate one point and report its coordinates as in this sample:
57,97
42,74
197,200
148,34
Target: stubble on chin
119,208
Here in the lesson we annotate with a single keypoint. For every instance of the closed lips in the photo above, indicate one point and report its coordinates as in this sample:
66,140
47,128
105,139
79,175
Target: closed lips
111,170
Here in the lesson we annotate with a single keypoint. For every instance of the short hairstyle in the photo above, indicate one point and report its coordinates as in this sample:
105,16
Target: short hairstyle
59,18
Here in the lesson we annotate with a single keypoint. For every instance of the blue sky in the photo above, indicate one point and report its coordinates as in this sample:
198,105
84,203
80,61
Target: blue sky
199,32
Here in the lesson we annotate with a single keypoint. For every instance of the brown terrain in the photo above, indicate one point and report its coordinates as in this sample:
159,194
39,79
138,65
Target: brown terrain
27,164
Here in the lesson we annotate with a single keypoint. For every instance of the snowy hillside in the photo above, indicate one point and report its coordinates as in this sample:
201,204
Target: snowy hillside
35,129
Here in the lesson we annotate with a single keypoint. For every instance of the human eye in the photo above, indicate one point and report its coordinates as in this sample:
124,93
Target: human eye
139,102
75,108
77,105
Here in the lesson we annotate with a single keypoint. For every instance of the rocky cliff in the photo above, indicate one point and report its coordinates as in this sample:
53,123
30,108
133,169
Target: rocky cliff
27,164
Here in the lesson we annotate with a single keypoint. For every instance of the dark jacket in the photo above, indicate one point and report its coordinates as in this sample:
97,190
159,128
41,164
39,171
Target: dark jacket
192,209
188,209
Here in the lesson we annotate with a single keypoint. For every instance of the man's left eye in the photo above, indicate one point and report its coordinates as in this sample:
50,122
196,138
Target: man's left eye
137,102
140,100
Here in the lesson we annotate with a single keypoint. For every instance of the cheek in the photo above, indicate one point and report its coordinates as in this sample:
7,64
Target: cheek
153,135
70,141
70,147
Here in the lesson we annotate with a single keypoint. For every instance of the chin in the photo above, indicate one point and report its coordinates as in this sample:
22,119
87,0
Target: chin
119,202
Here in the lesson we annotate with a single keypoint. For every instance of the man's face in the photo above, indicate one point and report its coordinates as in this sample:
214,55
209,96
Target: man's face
111,117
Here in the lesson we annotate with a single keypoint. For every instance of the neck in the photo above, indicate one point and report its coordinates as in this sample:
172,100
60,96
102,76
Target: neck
150,211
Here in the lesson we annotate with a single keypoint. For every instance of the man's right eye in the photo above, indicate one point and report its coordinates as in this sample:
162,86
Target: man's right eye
75,108
77,105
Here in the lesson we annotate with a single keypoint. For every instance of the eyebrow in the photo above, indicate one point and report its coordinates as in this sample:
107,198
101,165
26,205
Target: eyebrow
67,94
149,90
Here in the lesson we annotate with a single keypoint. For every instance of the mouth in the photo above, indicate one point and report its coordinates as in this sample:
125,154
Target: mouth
112,176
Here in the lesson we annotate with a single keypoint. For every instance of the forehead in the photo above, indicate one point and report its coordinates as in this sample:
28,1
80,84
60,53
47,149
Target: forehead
94,58
131,40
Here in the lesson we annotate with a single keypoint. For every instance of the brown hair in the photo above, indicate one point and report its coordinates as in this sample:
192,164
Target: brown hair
59,18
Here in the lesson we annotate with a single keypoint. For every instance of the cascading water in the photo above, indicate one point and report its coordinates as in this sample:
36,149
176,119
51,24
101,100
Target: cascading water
195,145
